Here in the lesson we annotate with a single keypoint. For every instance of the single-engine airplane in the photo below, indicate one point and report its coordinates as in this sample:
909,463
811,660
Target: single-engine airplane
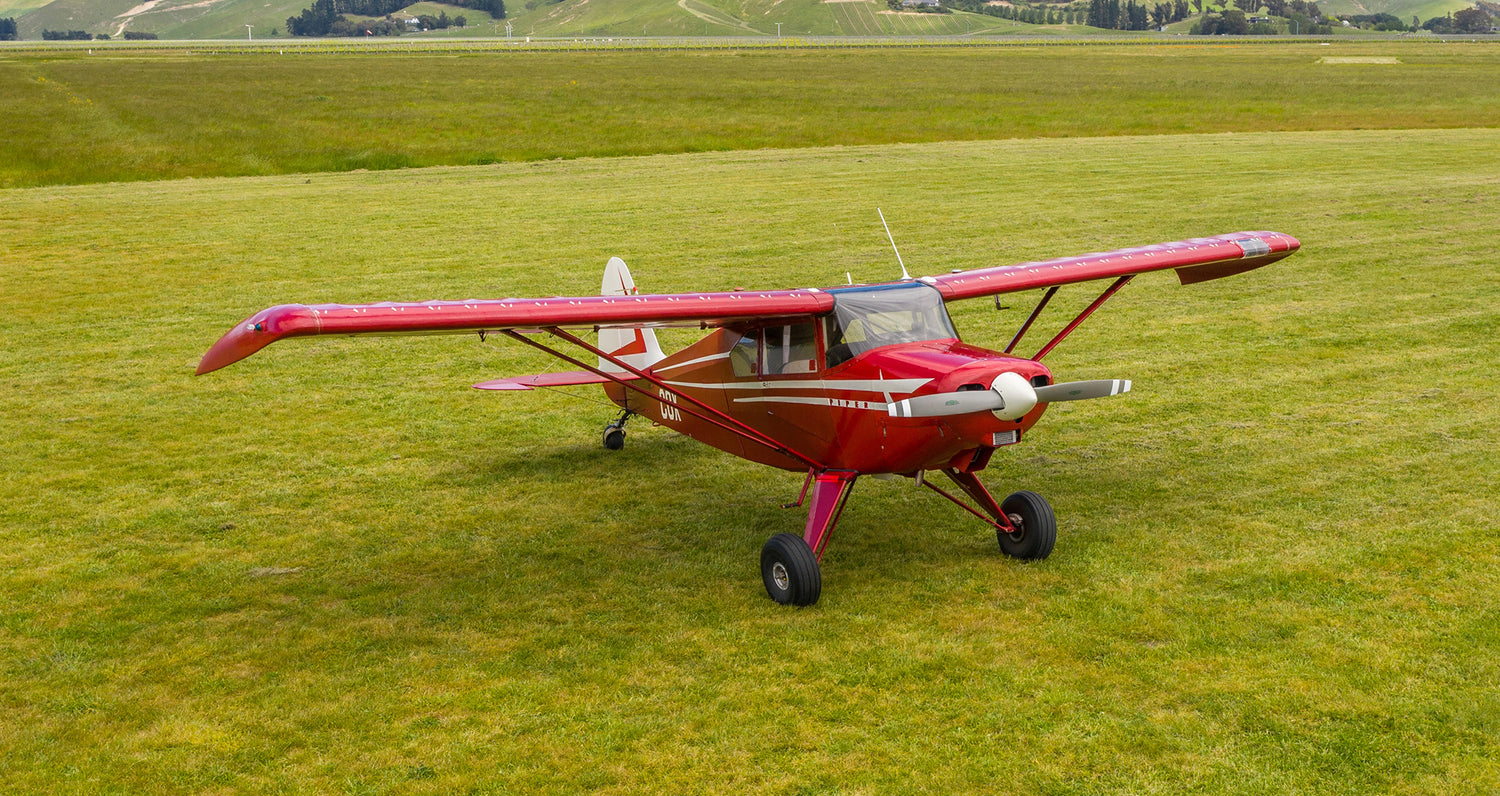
836,382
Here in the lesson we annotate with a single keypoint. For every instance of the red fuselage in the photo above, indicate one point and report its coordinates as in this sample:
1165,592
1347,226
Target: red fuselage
838,415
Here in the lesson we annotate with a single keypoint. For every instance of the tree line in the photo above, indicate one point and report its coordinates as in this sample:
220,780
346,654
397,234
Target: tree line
8,29
1136,16
72,35
1301,16
1478,19
326,17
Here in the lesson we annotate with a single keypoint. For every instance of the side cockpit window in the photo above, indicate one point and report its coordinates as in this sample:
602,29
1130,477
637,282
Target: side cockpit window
836,340
745,356
791,349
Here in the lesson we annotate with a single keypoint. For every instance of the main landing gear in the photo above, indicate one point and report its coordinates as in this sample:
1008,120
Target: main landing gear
1035,527
1024,526
790,570
789,563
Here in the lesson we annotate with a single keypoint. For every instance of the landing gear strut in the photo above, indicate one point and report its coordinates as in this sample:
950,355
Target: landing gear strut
789,563
614,433
1024,523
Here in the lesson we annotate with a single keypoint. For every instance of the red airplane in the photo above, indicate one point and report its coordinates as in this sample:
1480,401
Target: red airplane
838,382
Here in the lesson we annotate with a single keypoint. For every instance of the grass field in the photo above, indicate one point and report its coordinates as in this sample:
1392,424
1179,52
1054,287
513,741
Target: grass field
78,118
335,568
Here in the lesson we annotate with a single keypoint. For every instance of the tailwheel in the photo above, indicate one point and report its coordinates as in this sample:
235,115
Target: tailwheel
1035,524
790,570
614,437
614,433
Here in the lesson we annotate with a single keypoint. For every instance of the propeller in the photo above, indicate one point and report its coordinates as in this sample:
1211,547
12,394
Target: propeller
1081,390
1010,396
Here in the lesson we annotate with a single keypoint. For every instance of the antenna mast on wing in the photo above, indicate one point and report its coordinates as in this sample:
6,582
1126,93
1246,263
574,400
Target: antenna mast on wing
904,274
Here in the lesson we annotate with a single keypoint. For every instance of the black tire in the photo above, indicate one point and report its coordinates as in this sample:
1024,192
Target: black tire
614,437
790,570
1035,523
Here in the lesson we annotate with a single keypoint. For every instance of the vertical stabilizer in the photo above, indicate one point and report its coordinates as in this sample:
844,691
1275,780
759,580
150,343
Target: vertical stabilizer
638,347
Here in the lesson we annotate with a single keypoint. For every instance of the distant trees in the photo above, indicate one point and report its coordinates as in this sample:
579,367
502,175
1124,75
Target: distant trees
70,35
1479,19
8,29
391,26
139,35
1302,16
495,8
1112,15
326,17
366,27
1230,23
315,21
1163,14
1472,20
917,6
1383,22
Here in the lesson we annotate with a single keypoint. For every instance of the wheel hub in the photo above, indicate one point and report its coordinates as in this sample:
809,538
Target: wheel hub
1019,523
779,576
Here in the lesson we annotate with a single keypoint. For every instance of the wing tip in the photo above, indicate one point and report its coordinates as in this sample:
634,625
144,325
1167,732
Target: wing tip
236,344
254,333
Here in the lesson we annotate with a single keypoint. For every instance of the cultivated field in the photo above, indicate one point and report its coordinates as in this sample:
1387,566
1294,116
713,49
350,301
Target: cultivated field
335,568
120,115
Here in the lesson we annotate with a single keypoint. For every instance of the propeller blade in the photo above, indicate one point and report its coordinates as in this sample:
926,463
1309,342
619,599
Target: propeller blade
1081,390
947,403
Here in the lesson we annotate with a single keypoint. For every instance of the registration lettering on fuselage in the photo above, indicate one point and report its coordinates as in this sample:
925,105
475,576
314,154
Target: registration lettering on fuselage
669,411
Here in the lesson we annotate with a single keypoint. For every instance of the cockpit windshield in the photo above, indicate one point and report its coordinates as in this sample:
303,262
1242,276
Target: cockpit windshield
865,318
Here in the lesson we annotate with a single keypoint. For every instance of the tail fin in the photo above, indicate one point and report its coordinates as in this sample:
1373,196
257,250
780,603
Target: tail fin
636,347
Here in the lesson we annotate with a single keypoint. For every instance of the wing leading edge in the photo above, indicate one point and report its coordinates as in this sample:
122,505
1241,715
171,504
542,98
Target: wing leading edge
449,317
1196,260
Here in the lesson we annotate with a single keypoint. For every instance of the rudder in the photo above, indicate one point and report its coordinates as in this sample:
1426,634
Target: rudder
636,347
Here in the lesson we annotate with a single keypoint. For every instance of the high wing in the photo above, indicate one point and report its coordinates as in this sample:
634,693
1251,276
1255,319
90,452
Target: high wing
442,317
1196,260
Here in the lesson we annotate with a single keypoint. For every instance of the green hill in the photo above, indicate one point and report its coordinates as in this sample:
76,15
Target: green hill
15,8
1405,9
721,18
210,19
90,15
170,19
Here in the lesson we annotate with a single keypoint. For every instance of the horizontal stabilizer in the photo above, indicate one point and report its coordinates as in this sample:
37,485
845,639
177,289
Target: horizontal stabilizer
567,379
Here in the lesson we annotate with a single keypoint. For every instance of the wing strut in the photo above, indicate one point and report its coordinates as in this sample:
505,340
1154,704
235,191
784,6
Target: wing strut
1082,316
708,414
1021,332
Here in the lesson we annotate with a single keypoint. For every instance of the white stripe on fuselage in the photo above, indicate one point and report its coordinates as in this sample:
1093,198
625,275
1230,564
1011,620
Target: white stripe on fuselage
854,385
699,360
842,403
